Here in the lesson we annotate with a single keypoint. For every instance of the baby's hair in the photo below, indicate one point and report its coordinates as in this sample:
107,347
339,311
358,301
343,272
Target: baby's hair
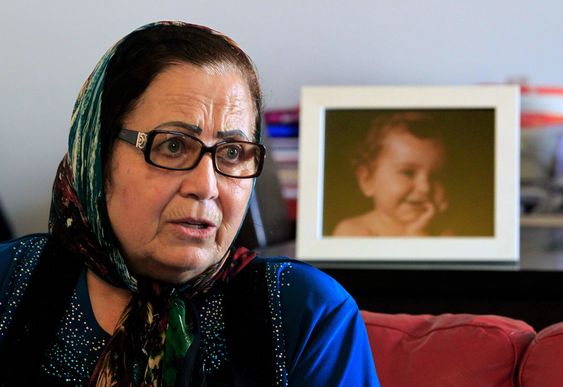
422,125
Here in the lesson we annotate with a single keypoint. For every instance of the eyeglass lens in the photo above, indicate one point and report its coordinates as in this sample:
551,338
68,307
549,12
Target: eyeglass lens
173,150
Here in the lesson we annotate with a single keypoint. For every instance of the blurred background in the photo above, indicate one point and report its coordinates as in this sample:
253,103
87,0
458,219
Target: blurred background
49,48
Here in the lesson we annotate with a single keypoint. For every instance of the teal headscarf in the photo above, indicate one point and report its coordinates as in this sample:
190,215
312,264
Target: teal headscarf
158,330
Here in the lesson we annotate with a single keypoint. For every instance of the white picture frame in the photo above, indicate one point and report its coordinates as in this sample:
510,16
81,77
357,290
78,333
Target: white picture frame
501,244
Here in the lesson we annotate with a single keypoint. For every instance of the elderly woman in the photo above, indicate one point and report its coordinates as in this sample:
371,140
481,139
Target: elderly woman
138,282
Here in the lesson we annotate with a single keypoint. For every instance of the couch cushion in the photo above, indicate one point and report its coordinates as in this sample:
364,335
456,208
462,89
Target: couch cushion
542,363
458,350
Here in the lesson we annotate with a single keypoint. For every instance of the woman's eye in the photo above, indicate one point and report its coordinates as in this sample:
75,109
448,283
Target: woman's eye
174,146
232,153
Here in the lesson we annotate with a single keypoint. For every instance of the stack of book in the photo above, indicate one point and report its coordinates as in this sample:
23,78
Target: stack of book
282,127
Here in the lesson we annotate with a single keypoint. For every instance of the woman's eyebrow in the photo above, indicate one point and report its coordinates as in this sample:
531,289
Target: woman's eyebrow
232,133
180,124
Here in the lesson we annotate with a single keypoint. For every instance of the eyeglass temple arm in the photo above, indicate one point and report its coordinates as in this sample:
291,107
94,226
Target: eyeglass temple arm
139,139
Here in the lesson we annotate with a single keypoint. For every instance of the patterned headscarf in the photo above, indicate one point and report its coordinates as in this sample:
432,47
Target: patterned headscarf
158,333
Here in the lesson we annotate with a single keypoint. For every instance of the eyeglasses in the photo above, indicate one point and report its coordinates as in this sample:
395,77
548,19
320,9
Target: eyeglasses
179,151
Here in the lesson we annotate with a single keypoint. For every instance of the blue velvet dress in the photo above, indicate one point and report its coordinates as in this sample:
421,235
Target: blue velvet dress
317,335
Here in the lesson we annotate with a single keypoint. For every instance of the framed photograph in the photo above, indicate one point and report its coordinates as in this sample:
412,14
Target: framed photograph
409,173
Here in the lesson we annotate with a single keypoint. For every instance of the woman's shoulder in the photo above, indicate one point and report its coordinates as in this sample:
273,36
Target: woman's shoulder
25,242
300,282
20,250
325,340
18,258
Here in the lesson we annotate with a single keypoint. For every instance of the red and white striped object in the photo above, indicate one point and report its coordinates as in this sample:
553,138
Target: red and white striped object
541,106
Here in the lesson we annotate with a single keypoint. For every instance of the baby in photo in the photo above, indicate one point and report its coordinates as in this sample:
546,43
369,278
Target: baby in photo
400,167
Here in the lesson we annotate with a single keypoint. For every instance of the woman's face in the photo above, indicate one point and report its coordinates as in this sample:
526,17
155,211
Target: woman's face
172,225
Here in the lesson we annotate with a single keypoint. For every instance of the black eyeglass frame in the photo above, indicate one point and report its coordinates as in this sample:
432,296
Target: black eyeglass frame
144,140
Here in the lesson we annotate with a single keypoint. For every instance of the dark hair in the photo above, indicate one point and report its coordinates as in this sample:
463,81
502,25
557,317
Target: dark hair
422,125
146,53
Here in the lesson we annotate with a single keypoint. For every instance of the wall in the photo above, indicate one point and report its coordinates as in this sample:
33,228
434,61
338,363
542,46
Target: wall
49,47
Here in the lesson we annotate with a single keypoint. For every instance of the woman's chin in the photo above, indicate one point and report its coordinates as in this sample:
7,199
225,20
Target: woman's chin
175,269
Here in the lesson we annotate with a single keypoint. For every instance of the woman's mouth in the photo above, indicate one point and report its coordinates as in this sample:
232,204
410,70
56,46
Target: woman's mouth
194,228
194,225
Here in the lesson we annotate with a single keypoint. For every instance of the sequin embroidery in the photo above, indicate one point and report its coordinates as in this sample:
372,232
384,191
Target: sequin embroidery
79,341
213,341
26,256
76,348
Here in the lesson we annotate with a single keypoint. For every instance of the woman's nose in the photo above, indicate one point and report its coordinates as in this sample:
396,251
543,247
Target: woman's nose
201,182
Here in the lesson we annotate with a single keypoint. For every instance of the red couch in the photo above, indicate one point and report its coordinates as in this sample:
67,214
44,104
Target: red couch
462,350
